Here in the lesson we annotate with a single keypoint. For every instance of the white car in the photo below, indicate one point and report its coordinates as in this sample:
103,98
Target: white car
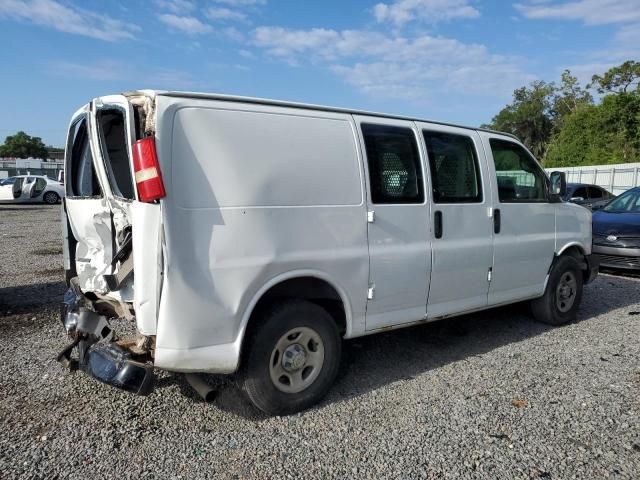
31,189
253,235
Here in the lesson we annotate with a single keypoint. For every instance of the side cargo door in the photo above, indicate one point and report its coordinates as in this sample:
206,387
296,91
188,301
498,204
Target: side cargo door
86,208
462,248
398,222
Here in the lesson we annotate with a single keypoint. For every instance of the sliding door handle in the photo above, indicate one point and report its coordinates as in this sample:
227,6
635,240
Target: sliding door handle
437,224
496,221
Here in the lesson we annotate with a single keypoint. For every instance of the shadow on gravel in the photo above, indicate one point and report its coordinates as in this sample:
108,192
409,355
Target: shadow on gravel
621,273
24,297
374,361
22,208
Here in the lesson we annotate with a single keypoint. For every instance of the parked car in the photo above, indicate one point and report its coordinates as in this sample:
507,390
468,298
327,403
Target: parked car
265,232
589,196
31,189
616,232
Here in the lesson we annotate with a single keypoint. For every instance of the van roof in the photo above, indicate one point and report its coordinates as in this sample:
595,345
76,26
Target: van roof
309,106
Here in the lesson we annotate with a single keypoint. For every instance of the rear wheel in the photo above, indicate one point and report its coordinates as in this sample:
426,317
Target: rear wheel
51,198
292,358
561,299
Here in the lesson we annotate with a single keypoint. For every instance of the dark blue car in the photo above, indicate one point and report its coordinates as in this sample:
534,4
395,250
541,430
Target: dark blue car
616,232
589,196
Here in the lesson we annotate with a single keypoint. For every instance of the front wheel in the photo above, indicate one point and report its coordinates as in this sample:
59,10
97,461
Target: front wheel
51,198
292,358
560,302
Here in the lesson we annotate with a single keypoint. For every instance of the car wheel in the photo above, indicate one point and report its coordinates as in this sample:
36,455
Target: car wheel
51,198
292,358
561,299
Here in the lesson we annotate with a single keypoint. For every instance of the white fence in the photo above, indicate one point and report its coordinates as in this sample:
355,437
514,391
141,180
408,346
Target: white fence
614,178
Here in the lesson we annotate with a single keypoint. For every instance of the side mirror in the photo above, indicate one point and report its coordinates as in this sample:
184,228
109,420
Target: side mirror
558,183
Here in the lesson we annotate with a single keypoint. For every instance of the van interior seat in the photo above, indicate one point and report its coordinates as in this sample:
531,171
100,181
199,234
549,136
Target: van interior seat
507,188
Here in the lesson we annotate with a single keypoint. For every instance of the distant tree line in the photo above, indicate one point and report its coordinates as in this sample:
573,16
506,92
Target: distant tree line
563,125
22,145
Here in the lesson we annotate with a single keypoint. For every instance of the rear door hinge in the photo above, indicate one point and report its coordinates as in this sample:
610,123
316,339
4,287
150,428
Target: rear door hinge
371,216
371,291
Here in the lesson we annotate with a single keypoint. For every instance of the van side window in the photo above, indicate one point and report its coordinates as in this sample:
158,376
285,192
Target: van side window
520,177
395,173
455,173
84,182
113,143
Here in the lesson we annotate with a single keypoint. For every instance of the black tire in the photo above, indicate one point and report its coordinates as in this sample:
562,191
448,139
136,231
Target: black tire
50,198
553,308
261,358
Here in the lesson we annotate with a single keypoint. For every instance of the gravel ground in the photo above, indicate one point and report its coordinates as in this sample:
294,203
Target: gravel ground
490,395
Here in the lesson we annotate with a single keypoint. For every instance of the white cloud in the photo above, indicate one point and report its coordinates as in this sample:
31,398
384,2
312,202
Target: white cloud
109,70
188,25
591,12
396,66
224,14
432,11
176,6
68,18
625,43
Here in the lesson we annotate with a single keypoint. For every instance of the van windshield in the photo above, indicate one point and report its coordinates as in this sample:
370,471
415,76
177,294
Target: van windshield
113,143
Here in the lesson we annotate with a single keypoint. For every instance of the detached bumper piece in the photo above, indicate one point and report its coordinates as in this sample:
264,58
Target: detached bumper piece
97,354
112,365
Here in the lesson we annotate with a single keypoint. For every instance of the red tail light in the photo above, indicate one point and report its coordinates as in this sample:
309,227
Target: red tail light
147,170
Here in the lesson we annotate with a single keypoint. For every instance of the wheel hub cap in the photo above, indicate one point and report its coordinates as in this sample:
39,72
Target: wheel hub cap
566,292
294,358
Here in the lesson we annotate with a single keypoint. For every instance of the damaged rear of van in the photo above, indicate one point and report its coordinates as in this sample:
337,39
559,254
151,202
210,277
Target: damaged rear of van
252,236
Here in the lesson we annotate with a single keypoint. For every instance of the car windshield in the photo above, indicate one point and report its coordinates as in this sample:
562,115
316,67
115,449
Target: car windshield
8,181
628,202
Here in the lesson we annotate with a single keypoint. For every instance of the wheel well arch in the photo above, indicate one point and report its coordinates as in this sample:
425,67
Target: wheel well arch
574,250
313,287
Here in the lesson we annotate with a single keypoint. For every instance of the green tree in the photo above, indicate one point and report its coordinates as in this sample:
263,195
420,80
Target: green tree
563,126
599,134
529,116
620,79
22,145
568,98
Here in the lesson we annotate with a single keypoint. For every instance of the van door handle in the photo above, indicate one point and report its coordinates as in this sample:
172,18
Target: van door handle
496,221
437,224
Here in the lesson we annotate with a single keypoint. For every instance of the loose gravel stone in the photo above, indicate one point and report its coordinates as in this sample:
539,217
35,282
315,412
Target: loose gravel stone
491,395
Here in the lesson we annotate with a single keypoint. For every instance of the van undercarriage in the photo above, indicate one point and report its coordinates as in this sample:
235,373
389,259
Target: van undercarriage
125,363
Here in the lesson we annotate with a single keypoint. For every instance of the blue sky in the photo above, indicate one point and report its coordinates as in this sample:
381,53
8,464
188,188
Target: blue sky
449,60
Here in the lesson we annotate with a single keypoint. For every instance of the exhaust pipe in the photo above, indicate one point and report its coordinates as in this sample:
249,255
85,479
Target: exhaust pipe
206,391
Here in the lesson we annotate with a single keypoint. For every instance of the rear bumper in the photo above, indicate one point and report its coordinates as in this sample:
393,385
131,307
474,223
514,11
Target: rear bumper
98,354
617,257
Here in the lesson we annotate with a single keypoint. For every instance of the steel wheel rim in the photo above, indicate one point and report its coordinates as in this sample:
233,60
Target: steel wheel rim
50,197
296,360
566,292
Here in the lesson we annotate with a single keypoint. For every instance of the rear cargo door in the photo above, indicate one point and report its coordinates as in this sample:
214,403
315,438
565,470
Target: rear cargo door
136,224
86,207
114,134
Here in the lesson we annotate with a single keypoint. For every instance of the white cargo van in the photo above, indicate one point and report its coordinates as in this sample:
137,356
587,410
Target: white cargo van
252,236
